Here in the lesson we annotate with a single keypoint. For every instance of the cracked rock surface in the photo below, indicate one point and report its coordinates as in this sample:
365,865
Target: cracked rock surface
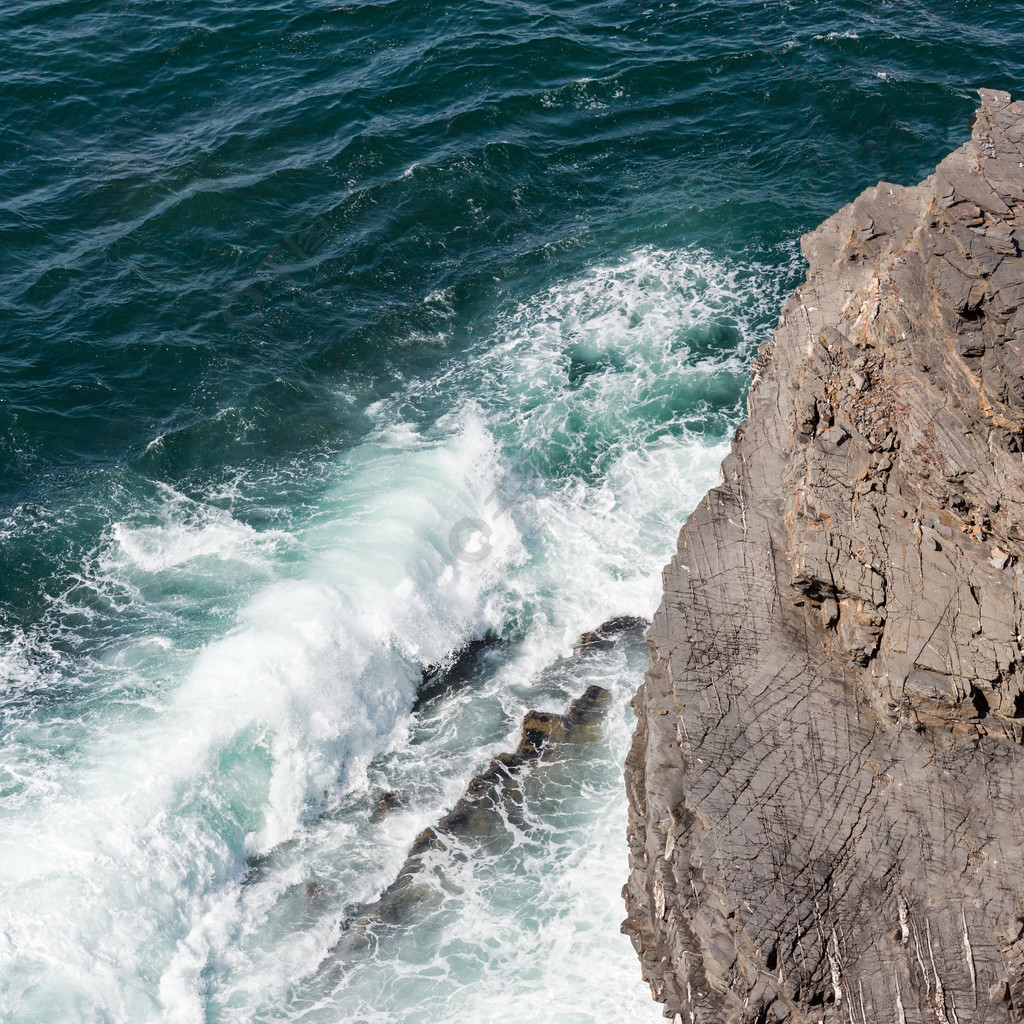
827,778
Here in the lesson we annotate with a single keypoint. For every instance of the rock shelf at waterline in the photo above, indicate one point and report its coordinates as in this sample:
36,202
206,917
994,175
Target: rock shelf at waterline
827,773
481,814
493,795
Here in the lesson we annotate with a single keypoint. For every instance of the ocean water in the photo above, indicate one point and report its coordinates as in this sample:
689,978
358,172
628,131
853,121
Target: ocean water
333,338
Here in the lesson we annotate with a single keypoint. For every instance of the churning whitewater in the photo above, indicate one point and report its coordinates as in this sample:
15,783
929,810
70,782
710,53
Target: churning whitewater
193,844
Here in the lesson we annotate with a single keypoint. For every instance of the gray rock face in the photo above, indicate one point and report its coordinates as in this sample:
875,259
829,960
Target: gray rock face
827,777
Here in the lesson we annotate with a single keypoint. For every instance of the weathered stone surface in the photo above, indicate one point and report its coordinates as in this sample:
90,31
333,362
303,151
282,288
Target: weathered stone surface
827,777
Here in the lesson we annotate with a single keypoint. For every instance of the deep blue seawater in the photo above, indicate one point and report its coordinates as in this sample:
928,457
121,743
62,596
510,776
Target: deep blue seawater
333,337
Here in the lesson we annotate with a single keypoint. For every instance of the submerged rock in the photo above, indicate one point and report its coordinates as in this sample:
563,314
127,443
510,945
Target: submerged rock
482,813
386,803
494,797
457,668
608,633
827,779
478,813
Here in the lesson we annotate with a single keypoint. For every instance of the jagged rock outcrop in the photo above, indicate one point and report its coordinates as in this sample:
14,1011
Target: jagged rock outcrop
490,810
827,777
491,796
479,811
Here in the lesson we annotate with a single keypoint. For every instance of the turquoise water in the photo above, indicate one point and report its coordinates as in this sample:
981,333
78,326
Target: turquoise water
335,337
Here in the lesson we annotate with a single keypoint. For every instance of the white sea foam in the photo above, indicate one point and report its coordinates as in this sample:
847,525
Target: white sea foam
286,709
157,548
583,94
545,499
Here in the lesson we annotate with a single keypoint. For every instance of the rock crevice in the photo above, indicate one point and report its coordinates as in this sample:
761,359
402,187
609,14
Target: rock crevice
827,778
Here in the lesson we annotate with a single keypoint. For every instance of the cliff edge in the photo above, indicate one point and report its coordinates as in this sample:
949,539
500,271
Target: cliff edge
827,777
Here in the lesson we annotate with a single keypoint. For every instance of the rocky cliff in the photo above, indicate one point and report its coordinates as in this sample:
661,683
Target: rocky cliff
827,777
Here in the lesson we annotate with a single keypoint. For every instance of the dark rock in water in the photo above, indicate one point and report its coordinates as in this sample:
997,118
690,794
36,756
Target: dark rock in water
539,729
315,892
480,812
590,706
477,813
471,660
604,637
493,794
457,668
586,711
827,778
386,803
